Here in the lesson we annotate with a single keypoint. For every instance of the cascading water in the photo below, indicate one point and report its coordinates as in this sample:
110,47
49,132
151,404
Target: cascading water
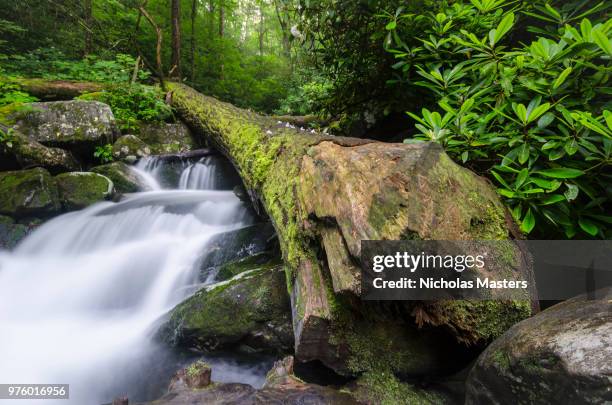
79,298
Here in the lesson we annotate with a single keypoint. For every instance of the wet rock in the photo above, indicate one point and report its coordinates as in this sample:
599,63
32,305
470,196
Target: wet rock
167,138
560,356
251,310
23,152
238,244
124,179
11,233
130,148
28,193
259,261
75,125
80,189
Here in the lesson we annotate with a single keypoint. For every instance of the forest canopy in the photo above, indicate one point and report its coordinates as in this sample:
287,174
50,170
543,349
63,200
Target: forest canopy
517,91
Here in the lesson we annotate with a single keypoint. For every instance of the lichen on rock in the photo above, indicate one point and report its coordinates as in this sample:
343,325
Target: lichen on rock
130,148
30,192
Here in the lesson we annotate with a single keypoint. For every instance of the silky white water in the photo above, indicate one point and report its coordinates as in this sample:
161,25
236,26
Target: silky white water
80,297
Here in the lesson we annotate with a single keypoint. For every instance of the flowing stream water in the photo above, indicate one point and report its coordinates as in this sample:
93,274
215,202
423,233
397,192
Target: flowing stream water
81,296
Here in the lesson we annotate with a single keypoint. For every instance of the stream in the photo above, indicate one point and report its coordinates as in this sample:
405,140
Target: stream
82,296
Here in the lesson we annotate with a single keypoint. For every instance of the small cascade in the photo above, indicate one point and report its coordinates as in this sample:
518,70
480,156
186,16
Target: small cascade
80,297
199,176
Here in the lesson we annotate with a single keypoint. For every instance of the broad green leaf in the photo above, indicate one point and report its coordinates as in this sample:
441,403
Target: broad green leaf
559,81
523,154
601,39
528,222
552,199
588,226
546,120
520,179
571,147
391,25
504,26
561,173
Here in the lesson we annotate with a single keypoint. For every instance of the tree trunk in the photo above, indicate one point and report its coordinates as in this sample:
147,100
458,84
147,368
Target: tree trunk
194,11
88,18
158,32
326,194
175,70
54,89
221,35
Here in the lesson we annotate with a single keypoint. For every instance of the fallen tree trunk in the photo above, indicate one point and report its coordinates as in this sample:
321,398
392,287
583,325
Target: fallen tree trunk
55,89
325,195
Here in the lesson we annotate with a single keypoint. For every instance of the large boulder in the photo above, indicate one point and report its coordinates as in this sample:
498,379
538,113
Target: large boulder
21,152
28,193
251,309
80,189
124,178
75,125
167,138
130,148
561,355
11,232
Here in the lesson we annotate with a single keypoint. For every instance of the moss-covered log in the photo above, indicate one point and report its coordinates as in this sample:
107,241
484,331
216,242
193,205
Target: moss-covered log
325,194
54,89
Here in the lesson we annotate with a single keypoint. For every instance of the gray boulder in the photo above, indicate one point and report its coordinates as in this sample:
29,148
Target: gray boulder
167,138
562,355
130,148
11,233
28,193
75,125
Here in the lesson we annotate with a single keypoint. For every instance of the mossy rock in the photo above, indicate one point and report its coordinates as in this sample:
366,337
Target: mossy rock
124,179
130,148
165,138
28,193
78,190
385,389
75,125
255,262
251,310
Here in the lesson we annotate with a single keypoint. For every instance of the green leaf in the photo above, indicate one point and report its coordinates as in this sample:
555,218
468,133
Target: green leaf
552,199
502,29
561,173
528,222
559,81
520,179
391,25
588,226
571,147
546,120
523,153
601,39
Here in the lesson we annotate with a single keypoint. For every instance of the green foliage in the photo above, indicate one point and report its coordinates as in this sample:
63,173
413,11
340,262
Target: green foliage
104,153
132,104
51,63
11,93
535,117
7,138
307,93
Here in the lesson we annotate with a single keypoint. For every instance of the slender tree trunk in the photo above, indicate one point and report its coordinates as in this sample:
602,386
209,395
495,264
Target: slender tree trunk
88,17
221,35
175,70
194,10
262,30
158,32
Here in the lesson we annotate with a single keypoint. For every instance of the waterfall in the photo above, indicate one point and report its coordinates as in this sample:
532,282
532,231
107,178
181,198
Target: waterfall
80,297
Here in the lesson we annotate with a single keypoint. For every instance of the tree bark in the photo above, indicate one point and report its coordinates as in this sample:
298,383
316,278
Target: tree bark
88,18
54,89
176,39
221,35
194,11
326,194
